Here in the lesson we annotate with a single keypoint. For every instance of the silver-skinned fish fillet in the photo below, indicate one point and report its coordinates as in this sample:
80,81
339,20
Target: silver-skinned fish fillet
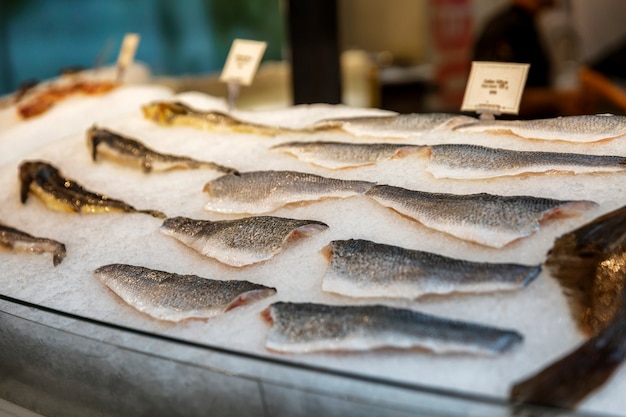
395,126
22,241
487,219
132,152
360,268
585,128
458,161
337,155
239,242
174,297
478,162
259,192
308,327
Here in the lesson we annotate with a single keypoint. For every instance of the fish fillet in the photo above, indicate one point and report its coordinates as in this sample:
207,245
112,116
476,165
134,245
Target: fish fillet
487,219
22,241
239,242
174,297
585,128
360,268
337,155
477,162
127,150
308,327
395,126
259,192
66,195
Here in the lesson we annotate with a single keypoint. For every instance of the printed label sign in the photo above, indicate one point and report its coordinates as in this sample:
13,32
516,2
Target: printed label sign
243,61
127,51
495,87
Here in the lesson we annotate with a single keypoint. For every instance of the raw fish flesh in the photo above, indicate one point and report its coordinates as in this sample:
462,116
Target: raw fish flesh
360,268
19,240
239,242
174,297
309,327
117,147
258,192
64,194
490,220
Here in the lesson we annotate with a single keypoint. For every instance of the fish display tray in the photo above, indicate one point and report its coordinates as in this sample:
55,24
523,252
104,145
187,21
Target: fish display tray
71,347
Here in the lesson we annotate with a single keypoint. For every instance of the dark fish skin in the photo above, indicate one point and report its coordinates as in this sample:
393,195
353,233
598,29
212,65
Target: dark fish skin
19,240
590,265
174,297
64,194
307,327
361,268
148,159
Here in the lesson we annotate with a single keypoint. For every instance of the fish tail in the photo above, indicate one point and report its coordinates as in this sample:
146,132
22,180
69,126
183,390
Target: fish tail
567,381
58,255
26,178
93,141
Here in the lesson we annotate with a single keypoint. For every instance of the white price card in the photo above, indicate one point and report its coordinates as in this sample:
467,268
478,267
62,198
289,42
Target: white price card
243,61
495,87
127,51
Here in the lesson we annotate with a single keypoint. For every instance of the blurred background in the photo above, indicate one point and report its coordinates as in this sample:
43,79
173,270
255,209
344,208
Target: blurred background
403,55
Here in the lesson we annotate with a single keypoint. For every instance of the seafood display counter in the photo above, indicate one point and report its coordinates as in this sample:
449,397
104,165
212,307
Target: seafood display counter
75,342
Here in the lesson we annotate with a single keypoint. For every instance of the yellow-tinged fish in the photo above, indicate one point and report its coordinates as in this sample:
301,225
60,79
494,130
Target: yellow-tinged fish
169,113
121,148
63,194
19,240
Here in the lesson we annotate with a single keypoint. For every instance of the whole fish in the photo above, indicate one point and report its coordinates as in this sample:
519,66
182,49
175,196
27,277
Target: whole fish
174,297
169,113
308,327
491,220
590,264
19,240
395,126
360,268
239,242
125,149
264,191
585,128
64,194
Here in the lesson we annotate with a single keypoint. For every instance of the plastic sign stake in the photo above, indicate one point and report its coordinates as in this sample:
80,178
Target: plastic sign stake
494,88
241,65
127,54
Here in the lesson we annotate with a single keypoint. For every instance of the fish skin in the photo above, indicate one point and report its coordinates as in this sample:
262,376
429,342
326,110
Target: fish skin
584,128
487,219
239,242
361,268
590,265
479,162
309,327
173,297
170,113
395,126
19,240
337,155
64,194
107,143
257,192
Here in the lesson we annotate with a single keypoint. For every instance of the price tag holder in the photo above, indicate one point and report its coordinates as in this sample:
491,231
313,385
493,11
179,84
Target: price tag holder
241,65
127,54
494,88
